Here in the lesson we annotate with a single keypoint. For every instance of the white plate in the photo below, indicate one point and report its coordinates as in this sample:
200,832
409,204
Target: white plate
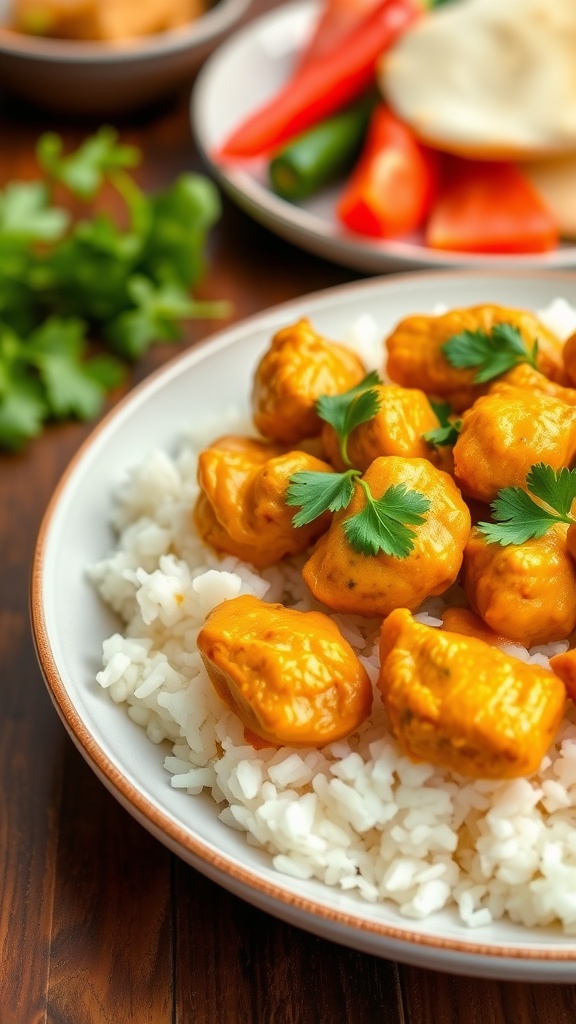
70,623
240,75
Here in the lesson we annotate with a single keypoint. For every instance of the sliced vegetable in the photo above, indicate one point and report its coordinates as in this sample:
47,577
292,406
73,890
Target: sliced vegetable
490,207
393,184
324,86
337,19
322,154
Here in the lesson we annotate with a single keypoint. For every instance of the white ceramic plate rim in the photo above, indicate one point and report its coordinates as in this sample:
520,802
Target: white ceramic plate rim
200,30
242,73
69,659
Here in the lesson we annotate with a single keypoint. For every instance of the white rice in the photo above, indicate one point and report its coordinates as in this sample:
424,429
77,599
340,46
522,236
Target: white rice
356,814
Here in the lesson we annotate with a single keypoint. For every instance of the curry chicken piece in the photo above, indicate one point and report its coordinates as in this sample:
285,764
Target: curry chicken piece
505,433
526,592
241,509
569,358
106,20
297,369
525,376
456,702
564,665
415,357
396,429
290,676
462,620
372,585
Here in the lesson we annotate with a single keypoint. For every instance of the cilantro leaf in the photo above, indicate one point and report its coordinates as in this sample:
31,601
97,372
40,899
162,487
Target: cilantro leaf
156,315
448,431
384,523
26,213
128,281
348,410
181,217
22,412
494,352
555,487
84,171
74,385
317,493
518,517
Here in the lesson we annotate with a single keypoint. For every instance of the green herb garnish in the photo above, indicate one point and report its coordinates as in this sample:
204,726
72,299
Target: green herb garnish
448,431
494,352
347,411
384,523
519,517
68,282
317,493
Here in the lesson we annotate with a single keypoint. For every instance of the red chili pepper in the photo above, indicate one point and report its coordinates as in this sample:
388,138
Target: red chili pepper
392,186
337,19
324,86
492,208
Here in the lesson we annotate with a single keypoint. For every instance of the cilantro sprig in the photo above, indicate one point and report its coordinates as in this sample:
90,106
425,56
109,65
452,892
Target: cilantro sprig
448,431
384,524
83,295
522,515
347,411
493,352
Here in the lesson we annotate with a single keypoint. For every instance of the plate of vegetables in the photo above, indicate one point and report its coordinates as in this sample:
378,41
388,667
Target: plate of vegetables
314,118
335,672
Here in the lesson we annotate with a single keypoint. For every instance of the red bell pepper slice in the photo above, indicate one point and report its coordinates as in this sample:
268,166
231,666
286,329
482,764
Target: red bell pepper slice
323,86
337,19
390,191
487,207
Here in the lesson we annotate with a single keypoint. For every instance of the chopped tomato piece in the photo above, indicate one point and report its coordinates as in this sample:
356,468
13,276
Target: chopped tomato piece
391,188
492,208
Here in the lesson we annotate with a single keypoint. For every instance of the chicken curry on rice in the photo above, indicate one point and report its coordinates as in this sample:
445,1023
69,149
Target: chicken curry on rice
454,465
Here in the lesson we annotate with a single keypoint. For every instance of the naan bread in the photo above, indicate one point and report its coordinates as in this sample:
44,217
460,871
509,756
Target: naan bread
488,78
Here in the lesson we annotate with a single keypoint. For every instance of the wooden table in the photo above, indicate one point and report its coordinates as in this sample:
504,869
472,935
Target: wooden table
99,923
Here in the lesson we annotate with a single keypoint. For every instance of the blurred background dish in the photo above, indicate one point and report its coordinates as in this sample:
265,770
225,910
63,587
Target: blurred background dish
250,69
100,77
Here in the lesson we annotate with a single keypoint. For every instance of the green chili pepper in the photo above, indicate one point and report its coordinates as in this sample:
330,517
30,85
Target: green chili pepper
322,154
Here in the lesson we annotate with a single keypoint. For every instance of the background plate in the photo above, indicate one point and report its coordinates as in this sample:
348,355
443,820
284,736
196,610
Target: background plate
70,623
240,75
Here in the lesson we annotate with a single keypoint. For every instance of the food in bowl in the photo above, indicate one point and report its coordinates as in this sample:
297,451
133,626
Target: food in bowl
473,98
432,798
103,20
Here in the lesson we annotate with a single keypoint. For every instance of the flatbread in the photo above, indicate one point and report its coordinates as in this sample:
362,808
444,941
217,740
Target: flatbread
492,79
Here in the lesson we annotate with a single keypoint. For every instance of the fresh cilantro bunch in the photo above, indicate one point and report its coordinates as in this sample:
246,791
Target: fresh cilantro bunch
69,282
491,353
384,524
522,515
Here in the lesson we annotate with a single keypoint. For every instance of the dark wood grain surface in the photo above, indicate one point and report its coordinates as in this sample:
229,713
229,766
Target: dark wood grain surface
99,923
